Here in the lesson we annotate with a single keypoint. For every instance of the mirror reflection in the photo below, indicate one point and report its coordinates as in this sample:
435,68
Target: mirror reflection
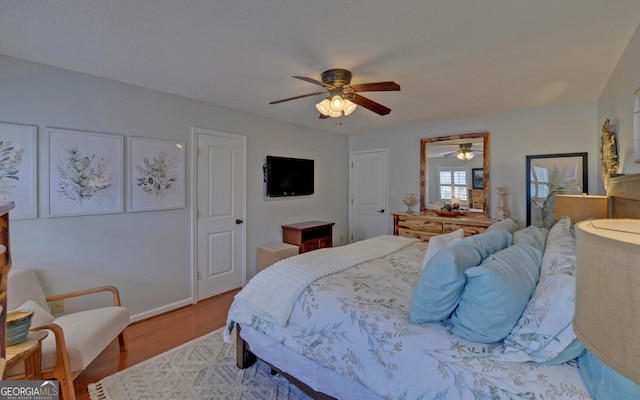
455,172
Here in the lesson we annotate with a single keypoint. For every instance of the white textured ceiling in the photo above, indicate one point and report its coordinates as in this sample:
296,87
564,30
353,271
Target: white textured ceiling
453,59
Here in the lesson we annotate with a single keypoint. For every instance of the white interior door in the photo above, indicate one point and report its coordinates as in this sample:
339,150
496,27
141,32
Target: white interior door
368,187
220,209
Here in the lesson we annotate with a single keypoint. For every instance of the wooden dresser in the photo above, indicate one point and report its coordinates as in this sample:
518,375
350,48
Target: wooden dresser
424,226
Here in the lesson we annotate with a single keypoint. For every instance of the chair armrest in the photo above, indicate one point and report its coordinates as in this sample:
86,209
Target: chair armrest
112,289
62,368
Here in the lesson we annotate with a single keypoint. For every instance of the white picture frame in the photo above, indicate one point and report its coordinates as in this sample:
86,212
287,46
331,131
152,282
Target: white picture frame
19,169
85,173
156,174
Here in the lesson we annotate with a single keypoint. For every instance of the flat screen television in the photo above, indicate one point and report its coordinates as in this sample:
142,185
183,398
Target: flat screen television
289,176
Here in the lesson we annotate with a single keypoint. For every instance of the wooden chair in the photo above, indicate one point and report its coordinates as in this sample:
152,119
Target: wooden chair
77,339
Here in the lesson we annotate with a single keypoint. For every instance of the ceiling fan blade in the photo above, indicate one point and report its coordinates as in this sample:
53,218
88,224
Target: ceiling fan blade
322,116
314,81
370,104
448,153
388,86
296,97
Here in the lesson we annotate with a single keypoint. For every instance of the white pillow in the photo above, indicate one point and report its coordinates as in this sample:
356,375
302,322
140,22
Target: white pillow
439,242
544,330
40,315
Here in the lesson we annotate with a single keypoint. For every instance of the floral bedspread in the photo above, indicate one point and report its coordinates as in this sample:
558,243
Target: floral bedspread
356,323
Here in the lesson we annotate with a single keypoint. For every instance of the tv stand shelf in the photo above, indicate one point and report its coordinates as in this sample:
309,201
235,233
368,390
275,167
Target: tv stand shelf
310,235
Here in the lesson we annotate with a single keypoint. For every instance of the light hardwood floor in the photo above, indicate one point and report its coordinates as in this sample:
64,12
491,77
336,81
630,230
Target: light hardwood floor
156,335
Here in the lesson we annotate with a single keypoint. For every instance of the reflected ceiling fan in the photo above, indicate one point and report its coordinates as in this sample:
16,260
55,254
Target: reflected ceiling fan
466,152
343,97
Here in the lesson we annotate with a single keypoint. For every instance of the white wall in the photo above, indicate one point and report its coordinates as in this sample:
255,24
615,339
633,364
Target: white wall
616,103
147,254
561,129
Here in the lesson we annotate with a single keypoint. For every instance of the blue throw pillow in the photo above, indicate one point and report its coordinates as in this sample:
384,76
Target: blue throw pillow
537,237
440,285
508,225
496,293
603,382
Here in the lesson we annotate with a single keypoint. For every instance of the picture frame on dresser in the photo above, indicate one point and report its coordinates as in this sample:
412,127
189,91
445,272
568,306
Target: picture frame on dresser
19,169
548,175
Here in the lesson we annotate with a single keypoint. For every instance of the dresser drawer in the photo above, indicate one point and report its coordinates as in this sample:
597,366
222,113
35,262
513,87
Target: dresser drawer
421,225
424,236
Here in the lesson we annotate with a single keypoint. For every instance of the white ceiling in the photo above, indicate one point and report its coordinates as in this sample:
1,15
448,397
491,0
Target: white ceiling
453,59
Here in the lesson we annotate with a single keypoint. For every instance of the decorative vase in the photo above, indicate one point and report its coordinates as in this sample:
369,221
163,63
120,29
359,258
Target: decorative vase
409,201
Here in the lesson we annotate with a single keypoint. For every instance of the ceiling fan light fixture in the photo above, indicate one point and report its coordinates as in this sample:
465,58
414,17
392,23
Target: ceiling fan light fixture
349,107
337,103
324,107
464,155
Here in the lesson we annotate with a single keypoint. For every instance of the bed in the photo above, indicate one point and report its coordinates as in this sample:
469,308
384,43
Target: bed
345,323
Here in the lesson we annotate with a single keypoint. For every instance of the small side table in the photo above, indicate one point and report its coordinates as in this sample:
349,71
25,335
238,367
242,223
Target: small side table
29,351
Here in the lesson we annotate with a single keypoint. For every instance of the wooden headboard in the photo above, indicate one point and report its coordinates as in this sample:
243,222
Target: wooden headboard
624,196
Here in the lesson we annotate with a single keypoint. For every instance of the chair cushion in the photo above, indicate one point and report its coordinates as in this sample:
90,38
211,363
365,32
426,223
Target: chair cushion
86,333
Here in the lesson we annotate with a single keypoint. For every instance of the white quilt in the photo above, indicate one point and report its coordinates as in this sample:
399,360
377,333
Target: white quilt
273,292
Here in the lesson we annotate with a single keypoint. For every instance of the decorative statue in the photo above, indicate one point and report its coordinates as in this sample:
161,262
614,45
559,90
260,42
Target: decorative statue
501,210
609,153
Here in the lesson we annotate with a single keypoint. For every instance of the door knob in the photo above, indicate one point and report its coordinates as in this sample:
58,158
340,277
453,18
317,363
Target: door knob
239,221
381,211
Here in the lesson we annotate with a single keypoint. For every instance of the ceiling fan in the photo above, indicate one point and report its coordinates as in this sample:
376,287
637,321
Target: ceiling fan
343,96
464,153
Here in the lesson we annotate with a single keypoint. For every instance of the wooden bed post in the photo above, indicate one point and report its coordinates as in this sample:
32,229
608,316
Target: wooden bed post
244,357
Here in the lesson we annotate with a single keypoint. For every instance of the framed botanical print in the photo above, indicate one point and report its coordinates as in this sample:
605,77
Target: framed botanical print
19,169
85,173
156,174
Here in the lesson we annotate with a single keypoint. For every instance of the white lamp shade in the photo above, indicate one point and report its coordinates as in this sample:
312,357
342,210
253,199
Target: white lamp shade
607,317
337,103
323,107
349,107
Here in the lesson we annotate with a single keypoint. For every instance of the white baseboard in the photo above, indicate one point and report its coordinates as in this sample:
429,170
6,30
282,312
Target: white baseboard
161,310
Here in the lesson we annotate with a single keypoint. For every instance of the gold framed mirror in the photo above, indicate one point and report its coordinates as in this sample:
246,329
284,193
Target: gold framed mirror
455,169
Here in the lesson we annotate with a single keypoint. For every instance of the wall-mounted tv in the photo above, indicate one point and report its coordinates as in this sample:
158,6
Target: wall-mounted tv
289,176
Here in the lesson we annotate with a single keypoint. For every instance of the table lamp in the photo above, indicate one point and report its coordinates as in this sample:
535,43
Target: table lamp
607,317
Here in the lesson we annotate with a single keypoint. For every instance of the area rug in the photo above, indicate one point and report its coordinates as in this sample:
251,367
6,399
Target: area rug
204,368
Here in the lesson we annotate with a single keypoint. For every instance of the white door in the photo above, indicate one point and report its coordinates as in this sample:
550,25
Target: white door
368,187
220,209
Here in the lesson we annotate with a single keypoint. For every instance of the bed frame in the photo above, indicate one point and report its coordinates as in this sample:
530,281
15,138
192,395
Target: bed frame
624,202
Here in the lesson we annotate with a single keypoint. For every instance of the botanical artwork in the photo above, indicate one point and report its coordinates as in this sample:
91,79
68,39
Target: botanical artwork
549,175
156,174
85,173
18,169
